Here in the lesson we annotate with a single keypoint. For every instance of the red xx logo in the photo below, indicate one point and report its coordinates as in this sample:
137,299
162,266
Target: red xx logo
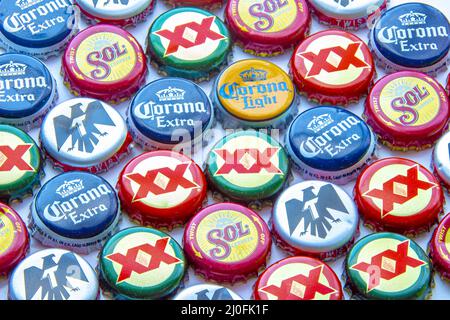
247,160
399,190
388,265
13,158
320,61
135,261
300,287
200,32
160,181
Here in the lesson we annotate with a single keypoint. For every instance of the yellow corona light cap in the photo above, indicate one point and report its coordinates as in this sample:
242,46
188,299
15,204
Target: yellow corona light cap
254,93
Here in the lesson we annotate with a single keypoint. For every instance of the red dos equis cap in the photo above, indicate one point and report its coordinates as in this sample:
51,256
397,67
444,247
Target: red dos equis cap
334,67
398,195
162,188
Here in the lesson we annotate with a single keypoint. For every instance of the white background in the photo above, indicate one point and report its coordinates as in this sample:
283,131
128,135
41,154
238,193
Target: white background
442,289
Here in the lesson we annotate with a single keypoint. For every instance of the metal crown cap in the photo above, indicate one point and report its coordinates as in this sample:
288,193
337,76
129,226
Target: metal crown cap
315,218
49,275
412,36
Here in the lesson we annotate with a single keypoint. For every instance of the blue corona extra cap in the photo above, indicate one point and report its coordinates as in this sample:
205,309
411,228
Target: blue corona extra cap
412,36
169,111
37,27
75,210
27,91
329,143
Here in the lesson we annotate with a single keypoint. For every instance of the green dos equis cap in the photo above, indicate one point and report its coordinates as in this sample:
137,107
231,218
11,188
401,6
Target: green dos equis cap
189,43
388,266
141,263
21,165
247,166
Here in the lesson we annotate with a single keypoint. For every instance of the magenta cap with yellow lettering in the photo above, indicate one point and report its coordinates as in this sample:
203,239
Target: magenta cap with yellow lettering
227,243
267,28
104,62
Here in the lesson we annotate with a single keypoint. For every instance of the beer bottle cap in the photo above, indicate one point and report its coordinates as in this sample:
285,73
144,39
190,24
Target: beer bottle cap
141,263
441,160
407,110
330,143
411,36
84,134
315,218
298,278
207,291
104,62
448,85
22,164
73,278
168,113
347,14
205,4
14,239
399,195
247,166
122,12
333,67
227,242
254,93
387,266
439,248
189,43
267,28
40,28
76,210
161,188
28,91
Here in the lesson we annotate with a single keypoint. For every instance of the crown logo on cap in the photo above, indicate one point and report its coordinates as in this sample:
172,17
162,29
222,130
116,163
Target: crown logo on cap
12,69
320,122
253,75
70,187
24,4
413,18
171,94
